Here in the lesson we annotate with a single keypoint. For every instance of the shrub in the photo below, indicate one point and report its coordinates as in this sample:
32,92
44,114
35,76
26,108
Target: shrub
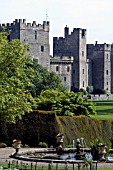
43,145
69,146
26,146
3,145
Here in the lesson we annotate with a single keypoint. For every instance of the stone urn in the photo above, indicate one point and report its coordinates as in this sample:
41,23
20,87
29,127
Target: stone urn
102,152
16,144
59,141
60,138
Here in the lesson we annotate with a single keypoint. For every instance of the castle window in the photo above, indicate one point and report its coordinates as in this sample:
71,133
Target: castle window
107,82
83,71
83,33
83,53
35,35
107,72
107,56
64,78
68,69
83,83
42,48
57,68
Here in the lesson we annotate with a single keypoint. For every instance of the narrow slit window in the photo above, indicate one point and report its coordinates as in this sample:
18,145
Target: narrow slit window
83,83
42,48
35,35
107,72
64,78
83,71
57,68
83,53
68,69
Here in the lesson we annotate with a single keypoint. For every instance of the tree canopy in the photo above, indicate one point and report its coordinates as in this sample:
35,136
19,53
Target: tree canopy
15,99
68,103
44,79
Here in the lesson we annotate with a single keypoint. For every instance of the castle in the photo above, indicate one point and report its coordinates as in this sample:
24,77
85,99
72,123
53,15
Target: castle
79,64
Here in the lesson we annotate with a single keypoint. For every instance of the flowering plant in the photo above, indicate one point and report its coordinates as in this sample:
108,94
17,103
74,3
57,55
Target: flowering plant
101,144
60,135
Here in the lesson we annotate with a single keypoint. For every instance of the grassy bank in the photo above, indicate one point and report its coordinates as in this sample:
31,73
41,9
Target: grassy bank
104,110
46,167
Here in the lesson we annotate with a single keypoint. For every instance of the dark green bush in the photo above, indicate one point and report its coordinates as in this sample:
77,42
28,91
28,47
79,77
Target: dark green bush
43,145
3,145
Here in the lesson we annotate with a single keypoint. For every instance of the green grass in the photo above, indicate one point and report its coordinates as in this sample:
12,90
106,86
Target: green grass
5,166
104,110
105,169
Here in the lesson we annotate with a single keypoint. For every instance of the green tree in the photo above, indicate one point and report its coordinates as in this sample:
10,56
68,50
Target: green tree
15,100
68,103
44,80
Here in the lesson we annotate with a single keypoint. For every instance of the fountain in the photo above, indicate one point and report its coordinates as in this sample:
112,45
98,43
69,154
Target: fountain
77,152
58,155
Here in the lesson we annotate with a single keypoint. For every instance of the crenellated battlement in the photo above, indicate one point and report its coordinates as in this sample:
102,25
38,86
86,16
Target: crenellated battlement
22,24
103,46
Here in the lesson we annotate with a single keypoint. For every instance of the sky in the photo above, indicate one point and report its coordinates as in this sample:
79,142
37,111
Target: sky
94,15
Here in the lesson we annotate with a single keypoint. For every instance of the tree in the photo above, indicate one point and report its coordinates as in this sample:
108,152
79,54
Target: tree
89,89
44,80
68,103
15,99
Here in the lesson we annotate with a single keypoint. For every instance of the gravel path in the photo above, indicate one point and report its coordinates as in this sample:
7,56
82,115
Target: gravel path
5,152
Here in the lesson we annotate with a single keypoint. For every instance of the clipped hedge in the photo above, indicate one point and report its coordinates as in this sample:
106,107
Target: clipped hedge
90,129
42,126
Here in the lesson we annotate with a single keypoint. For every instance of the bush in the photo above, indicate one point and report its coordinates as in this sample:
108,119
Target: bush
26,146
69,146
3,145
43,145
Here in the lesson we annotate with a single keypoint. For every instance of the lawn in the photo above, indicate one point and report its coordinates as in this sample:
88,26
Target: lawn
104,109
13,167
48,168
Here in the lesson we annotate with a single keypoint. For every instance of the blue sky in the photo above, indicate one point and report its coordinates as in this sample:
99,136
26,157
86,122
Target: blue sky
94,15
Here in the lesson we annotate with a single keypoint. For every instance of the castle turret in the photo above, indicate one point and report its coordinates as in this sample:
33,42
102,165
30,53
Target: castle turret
36,35
66,31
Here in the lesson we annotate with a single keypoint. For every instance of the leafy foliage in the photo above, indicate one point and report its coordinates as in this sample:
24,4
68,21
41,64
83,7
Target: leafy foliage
43,79
68,103
15,100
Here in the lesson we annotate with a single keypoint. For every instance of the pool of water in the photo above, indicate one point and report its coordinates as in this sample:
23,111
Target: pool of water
70,156
110,158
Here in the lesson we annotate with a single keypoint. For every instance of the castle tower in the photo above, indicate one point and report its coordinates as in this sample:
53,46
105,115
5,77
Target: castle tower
37,36
101,66
112,68
62,66
74,44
